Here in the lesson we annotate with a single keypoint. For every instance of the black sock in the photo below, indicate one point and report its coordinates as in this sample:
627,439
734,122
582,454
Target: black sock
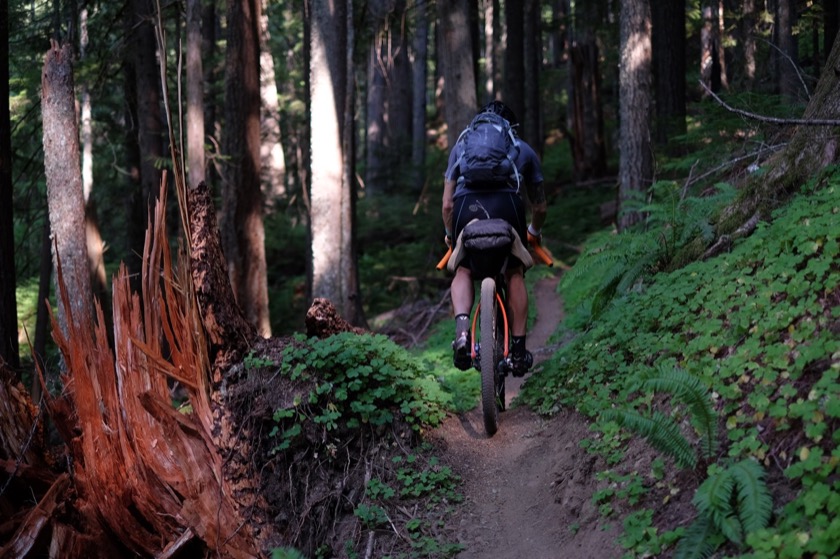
462,324
517,345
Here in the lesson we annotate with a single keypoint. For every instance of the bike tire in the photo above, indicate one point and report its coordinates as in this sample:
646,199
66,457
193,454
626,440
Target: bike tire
489,359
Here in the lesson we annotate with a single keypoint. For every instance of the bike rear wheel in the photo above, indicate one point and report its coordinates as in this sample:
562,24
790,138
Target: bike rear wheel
489,359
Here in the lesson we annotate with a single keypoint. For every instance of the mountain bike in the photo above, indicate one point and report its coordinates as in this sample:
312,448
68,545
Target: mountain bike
489,243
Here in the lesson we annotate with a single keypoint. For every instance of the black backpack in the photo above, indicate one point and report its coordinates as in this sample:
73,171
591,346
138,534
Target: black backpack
489,151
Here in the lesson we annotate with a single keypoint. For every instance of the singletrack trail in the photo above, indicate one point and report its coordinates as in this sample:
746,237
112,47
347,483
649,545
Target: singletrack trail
527,490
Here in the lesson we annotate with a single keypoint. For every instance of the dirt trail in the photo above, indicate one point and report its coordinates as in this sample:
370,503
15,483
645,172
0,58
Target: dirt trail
528,488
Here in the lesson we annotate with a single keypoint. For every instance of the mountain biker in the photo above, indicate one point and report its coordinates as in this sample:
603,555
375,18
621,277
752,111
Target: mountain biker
463,203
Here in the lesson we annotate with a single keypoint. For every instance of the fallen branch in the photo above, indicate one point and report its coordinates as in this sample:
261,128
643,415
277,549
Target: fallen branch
772,119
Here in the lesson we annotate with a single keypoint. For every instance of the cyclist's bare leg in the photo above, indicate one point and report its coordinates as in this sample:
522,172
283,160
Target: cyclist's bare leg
462,291
517,301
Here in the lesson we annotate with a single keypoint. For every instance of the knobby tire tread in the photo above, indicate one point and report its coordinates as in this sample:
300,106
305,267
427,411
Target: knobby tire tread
488,358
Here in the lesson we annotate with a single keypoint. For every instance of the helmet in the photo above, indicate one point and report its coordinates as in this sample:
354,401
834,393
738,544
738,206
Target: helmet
500,109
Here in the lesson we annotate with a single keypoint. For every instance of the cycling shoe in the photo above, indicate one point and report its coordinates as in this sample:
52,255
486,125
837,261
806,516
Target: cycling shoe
520,364
461,352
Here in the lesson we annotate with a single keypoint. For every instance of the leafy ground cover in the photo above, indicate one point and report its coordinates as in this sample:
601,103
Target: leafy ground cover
755,332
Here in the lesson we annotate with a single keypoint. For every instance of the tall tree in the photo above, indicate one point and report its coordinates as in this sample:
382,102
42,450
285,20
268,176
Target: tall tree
148,150
492,36
747,46
195,95
585,115
419,61
389,96
95,243
64,183
332,207
8,301
459,90
712,61
831,24
271,151
514,74
242,200
636,164
787,76
532,62
668,41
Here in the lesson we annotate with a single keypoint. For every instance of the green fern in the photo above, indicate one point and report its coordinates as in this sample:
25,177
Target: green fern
661,432
730,503
755,504
689,390
700,539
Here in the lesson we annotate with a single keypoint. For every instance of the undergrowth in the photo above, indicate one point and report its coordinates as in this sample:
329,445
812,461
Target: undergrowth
758,328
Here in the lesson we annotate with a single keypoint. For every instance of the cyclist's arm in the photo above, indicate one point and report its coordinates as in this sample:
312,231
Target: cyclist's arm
448,204
539,206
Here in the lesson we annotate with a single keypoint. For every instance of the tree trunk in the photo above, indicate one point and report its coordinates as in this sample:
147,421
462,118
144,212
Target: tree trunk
419,61
459,89
788,80
491,41
242,209
195,96
746,58
831,24
668,42
271,150
810,149
585,115
64,184
8,280
146,479
389,123
636,165
712,69
334,272
95,244
532,49
514,74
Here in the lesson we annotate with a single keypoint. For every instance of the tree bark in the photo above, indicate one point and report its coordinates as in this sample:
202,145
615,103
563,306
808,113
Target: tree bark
195,96
787,77
636,165
64,184
149,123
711,66
332,207
459,90
514,73
242,200
668,42
532,62
419,53
585,115
389,95
8,281
271,150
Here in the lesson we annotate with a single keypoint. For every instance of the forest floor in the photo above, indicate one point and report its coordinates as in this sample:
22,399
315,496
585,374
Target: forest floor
528,489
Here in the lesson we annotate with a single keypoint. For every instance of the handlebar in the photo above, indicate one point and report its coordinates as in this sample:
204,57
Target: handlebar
539,251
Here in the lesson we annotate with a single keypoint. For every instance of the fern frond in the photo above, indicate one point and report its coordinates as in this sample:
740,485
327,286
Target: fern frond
689,390
699,541
661,431
714,498
755,504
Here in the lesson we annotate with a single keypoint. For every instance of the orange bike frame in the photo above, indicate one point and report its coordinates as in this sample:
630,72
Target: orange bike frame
504,319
